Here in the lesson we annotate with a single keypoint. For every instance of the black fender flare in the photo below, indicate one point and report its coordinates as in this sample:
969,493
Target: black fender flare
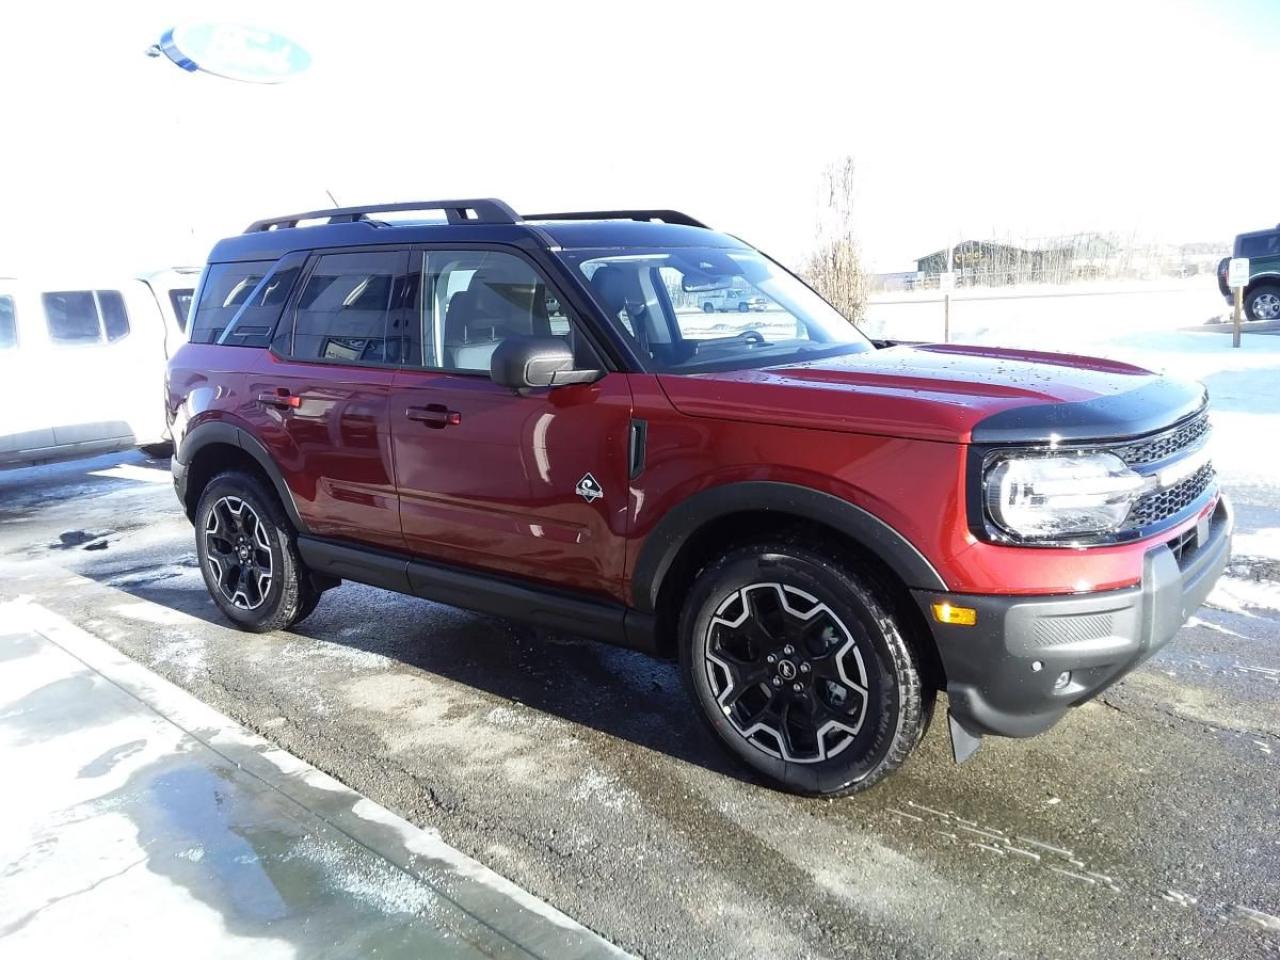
665,542
218,431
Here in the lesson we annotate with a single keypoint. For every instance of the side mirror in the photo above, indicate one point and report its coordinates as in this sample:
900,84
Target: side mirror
523,363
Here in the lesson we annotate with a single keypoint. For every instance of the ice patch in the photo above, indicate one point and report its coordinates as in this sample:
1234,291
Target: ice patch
427,843
337,653
1245,596
597,787
184,652
161,616
1258,543
371,881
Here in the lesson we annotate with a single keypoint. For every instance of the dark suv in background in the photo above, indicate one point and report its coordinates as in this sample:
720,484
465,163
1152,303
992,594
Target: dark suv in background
1262,295
534,417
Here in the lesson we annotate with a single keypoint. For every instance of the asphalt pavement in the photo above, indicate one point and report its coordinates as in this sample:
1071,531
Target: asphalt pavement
1146,824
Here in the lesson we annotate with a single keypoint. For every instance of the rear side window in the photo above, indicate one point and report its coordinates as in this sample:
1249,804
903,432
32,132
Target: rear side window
8,324
1267,245
357,308
72,316
115,321
180,300
225,289
85,316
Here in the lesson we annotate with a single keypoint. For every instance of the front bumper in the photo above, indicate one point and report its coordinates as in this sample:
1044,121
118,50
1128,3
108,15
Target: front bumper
1004,673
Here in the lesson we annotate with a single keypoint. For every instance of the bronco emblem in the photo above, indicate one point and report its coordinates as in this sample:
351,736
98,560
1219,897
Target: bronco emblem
588,489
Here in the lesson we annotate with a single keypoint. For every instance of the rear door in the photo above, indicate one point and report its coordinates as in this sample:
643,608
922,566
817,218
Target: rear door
319,397
532,485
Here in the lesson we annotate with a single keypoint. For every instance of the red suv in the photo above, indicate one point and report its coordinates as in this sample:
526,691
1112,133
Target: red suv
536,417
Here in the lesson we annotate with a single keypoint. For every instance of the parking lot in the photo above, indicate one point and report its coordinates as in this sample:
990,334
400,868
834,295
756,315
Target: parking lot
1144,824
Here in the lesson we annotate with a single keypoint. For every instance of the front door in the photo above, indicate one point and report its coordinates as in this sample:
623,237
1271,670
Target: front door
534,486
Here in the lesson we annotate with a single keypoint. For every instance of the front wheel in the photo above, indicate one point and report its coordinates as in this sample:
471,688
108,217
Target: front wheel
801,669
1262,303
708,307
248,555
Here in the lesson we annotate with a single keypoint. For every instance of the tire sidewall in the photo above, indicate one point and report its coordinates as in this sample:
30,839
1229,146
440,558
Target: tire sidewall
268,511
862,762
1251,299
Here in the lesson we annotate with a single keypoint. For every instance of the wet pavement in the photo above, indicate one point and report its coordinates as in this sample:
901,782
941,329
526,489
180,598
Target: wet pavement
1146,824
140,823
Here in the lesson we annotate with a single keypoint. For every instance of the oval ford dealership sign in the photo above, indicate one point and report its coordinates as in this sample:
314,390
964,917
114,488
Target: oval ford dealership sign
235,52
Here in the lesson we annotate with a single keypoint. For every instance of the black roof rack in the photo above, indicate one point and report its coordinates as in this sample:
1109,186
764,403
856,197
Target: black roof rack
665,216
457,211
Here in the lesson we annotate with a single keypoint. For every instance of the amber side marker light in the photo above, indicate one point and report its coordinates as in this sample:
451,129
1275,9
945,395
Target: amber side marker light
957,616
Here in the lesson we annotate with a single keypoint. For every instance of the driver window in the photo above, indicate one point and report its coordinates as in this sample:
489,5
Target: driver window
473,300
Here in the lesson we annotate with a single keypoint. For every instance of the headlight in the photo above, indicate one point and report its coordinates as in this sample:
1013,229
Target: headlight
1058,496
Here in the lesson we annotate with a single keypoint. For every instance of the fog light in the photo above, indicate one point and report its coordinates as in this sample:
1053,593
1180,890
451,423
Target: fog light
957,616
1063,679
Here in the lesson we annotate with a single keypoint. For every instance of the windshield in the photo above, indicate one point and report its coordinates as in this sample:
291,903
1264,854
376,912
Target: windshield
693,309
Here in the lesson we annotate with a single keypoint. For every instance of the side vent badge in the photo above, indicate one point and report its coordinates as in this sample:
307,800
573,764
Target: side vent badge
588,489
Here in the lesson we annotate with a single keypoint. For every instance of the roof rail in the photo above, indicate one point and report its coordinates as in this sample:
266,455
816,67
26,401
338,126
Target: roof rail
665,216
457,211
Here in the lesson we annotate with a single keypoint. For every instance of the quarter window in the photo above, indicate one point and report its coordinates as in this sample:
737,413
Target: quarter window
8,324
225,289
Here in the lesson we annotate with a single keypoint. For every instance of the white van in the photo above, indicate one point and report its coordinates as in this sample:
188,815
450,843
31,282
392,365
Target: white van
82,363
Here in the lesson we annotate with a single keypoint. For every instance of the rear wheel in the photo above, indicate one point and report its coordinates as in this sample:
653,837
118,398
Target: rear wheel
708,307
249,557
743,306
801,670
1262,303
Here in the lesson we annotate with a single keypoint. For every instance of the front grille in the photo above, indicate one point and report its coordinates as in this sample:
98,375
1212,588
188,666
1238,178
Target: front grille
1159,506
1163,445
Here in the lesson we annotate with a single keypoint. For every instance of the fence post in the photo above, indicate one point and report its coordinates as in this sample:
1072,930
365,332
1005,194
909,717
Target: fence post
946,318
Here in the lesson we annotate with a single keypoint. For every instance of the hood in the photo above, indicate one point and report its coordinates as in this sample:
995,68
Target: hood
946,392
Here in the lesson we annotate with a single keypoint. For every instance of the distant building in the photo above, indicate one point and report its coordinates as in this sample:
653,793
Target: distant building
982,262
1082,256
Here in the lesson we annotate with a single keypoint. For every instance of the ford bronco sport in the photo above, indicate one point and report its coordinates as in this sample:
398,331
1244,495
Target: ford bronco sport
510,414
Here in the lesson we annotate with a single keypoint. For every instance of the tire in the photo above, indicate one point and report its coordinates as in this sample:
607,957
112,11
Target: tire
1262,303
708,307
812,732
241,507
744,307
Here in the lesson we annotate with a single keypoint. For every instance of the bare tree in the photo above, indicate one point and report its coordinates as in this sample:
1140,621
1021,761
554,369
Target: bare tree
835,267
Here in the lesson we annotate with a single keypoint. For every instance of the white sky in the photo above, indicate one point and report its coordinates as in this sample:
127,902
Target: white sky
965,118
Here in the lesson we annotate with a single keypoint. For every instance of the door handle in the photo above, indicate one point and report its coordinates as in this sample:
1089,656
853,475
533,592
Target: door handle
281,399
435,415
